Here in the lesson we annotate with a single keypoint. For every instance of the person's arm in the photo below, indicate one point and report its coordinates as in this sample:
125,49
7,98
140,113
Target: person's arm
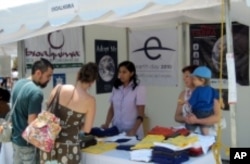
140,106
89,116
34,106
211,120
139,120
178,112
31,118
109,117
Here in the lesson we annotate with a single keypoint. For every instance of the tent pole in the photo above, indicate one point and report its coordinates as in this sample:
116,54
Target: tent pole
229,41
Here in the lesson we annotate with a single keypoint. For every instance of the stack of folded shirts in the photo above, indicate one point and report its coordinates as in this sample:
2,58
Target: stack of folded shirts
142,150
100,148
119,138
148,142
202,146
165,131
182,141
142,155
167,156
99,132
169,131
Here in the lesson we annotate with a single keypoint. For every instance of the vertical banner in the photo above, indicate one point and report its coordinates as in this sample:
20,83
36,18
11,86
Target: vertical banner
154,53
205,40
106,59
64,48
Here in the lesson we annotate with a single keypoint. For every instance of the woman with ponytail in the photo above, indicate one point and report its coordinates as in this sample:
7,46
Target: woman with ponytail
127,102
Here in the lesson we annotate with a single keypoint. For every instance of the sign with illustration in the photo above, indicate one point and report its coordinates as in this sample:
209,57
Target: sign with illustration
59,78
205,46
106,59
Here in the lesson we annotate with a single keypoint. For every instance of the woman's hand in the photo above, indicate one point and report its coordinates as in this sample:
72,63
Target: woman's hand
104,126
131,133
191,119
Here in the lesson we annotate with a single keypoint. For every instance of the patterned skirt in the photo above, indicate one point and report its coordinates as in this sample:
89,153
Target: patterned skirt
62,154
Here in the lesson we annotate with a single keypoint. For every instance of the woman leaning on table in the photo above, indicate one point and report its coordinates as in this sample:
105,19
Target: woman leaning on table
127,102
182,116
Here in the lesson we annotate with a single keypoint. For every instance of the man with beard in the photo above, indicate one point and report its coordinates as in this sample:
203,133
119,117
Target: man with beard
28,96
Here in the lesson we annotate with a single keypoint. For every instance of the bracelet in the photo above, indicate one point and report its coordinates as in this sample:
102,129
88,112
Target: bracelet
139,118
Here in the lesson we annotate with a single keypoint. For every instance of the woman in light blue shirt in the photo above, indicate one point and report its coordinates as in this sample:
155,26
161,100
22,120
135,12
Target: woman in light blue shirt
127,102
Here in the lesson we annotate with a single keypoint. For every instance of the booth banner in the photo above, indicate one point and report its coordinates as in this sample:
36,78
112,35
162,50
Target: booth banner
106,59
64,48
154,53
205,40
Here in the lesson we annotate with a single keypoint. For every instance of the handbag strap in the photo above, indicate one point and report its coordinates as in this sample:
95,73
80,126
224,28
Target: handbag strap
55,100
18,96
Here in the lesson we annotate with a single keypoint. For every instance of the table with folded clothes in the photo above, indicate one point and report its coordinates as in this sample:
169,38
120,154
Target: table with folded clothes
164,145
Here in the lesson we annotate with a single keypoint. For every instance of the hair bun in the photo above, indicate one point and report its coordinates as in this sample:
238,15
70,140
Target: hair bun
88,72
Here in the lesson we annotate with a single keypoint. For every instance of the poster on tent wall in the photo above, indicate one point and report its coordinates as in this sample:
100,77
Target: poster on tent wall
154,53
64,48
106,59
205,40
59,78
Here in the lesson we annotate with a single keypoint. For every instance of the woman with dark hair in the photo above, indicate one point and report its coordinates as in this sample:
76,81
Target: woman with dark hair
128,100
76,110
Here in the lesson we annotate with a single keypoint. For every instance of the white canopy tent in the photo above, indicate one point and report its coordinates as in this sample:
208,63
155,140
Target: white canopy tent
28,18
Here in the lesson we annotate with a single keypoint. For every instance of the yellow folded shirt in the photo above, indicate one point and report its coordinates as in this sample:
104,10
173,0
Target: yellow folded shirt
148,142
100,148
182,141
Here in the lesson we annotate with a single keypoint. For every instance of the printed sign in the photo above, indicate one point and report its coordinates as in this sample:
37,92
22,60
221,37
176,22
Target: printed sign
59,78
106,58
154,53
64,48
205,46
60,8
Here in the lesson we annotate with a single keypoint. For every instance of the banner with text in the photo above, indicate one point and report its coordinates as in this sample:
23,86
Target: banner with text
154,53
64,48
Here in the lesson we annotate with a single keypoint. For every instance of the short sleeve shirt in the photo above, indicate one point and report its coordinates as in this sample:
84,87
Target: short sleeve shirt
29,101
125,101
202,98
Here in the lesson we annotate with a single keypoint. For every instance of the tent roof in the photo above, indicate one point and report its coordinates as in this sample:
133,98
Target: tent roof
29,18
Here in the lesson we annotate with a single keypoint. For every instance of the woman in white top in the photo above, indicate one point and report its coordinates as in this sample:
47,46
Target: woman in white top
127,102
182,115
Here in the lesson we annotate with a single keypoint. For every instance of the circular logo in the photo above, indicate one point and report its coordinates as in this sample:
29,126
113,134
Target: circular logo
54,42
158,47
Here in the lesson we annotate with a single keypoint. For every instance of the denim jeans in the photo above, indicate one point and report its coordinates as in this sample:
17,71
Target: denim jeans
25,155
